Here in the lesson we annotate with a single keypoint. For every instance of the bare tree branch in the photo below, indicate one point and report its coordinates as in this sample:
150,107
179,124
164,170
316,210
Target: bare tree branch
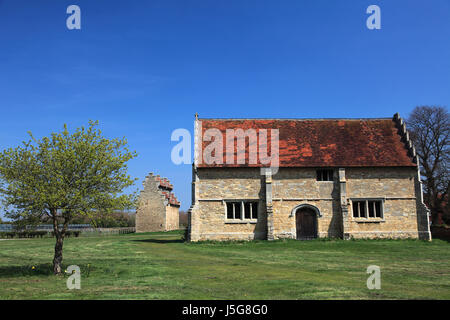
430,131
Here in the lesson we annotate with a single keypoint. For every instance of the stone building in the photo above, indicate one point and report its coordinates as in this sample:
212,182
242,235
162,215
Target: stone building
158,208
346,178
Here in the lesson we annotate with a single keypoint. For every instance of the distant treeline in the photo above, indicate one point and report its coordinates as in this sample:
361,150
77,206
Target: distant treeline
183,219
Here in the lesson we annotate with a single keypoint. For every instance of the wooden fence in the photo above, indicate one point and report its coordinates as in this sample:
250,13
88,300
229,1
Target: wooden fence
82,232
108,231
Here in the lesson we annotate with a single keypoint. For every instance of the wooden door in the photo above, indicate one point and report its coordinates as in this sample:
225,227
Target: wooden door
306,224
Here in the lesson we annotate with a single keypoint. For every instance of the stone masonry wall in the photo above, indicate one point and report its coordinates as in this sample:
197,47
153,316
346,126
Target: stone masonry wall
296,186
172,218
158,209
208,215
404,215
395,186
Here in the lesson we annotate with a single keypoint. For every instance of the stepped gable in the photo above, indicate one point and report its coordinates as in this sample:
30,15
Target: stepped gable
158,207
164,188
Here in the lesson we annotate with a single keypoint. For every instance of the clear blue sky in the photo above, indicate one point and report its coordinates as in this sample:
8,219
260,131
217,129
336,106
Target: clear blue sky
143,68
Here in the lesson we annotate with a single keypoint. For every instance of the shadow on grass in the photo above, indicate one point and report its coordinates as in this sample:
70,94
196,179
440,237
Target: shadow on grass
160,240
27,270
45,269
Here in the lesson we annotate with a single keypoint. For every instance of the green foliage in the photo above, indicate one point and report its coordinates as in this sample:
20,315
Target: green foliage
114,220
117,219
65,176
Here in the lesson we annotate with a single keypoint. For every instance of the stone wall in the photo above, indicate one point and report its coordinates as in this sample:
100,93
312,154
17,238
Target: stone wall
213,186
396,186
172,218
293,187
157,207
399,189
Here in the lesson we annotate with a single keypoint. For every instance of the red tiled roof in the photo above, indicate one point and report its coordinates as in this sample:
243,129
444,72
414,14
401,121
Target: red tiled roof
171,198
321,142
164,182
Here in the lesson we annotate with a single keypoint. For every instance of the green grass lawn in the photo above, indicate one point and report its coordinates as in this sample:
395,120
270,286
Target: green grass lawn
161,266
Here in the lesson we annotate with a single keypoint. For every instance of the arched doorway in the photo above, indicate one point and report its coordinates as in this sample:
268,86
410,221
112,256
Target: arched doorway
306,221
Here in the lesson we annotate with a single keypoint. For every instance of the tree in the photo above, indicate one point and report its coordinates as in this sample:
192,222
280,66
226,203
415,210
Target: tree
63,177
429,127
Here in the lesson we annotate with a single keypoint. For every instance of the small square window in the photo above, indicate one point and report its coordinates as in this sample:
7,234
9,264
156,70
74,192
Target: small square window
371,209
237,210
378,213
324,175
367,209
359,209
230,213
254,210
374,209
242,210
247,210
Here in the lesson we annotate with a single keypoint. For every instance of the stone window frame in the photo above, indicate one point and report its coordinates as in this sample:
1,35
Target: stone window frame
366,218
242,219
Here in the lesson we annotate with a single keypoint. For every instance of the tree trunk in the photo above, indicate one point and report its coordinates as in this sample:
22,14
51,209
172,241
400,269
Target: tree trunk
59,235
57,259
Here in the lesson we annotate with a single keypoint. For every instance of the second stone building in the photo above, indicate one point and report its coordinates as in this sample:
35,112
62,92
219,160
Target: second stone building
158,208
